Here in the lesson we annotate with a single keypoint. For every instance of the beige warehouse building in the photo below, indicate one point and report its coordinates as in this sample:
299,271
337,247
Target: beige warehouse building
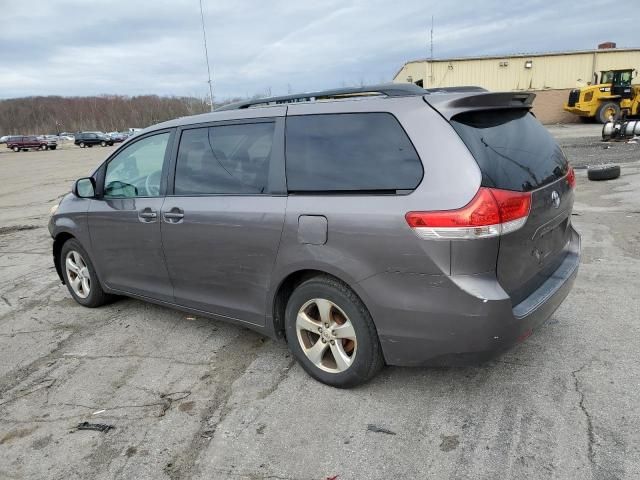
550,75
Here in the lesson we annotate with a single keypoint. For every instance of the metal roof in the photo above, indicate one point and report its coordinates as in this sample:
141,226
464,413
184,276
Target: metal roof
517,55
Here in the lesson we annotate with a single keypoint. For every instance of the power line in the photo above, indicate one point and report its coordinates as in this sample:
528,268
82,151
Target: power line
206,56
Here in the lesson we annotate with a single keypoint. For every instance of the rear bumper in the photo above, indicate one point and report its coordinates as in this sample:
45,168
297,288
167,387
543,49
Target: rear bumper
442,320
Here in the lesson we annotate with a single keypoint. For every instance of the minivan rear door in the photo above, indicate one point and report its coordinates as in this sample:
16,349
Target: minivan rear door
221,224
515,152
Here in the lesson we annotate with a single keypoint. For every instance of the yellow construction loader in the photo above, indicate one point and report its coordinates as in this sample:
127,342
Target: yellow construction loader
610,97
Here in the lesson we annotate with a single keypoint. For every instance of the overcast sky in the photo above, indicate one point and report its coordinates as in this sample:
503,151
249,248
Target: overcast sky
74,47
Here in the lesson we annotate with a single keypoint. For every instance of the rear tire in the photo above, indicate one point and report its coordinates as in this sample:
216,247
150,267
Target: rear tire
16,149
603,172
87,293
607,110
103,143
339,347
81,144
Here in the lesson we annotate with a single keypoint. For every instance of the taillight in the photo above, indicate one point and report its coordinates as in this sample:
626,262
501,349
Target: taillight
490,213
571,178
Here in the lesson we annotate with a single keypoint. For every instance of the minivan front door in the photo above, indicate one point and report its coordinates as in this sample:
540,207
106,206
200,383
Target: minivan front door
124,222
221,227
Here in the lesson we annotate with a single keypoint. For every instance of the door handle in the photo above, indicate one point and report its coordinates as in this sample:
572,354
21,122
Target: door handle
147,215
175,215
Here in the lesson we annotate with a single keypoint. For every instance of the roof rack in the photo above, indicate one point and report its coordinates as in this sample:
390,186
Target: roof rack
389,90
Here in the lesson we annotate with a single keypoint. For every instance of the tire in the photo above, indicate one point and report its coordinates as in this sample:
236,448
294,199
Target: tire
95,297
53,148
44,147
81,144
103,143
603,172
362,351
16,149
606,110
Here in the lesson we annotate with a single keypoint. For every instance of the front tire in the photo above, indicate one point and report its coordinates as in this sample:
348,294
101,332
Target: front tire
103,143
80,275
16,149
331,333
81,144
607,110
44,147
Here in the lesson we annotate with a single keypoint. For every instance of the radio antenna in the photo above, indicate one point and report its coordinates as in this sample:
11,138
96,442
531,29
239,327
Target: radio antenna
206,56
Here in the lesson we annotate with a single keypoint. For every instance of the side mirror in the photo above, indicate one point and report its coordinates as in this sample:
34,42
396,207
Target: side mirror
84,188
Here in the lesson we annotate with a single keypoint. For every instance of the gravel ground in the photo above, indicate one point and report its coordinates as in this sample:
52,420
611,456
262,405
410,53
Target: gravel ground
194,398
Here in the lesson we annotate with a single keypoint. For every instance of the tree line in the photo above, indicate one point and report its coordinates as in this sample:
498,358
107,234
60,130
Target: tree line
107,113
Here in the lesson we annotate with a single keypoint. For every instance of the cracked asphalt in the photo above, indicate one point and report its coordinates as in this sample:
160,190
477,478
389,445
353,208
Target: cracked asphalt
194,398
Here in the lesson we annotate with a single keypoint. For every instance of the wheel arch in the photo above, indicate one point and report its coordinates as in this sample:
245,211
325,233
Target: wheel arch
59,240
288,284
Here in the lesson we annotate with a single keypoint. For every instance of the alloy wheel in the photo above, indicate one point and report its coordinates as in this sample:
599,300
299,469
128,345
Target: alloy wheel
78,274
326,335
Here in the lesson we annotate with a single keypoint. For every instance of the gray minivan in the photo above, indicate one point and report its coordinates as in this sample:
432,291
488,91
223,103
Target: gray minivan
366,226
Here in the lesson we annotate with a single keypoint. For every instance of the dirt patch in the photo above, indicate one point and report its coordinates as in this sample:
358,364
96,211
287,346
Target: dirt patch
16,228
15,434
186,406
449,442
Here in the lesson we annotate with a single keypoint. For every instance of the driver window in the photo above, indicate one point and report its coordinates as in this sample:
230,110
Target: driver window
137,170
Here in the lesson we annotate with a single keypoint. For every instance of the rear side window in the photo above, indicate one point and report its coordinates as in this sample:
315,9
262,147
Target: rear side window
513,150
228,159
349,152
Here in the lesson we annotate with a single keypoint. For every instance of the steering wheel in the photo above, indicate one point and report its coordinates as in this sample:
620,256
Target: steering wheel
152,188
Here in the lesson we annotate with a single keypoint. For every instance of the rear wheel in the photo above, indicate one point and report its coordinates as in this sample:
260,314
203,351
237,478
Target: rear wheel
103,143
82,145
606,111
16,149
331,333
80,277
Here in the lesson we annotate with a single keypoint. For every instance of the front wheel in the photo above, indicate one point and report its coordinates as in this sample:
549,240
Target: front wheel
606,111
103,143
81,144
16,149
44,147
80,275
331,333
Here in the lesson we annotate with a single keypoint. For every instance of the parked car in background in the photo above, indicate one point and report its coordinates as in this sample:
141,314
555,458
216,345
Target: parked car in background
31,142
51,140
118,137
89,139
408,227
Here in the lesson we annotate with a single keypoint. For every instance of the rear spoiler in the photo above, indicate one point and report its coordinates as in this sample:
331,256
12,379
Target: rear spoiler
450,105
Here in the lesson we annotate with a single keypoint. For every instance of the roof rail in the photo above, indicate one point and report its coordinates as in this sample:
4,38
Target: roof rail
466,88
388,89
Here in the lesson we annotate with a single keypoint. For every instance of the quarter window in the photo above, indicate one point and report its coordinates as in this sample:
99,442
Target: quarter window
137,170
350,152
227,159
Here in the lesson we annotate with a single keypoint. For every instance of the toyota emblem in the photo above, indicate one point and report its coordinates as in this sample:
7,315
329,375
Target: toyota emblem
555,199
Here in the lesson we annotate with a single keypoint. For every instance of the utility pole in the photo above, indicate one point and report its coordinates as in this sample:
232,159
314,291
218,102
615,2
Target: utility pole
206,56
431,55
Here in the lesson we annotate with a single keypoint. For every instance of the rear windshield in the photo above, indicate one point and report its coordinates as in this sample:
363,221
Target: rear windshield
513,150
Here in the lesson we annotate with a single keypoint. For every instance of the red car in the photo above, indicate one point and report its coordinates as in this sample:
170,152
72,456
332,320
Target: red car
30,142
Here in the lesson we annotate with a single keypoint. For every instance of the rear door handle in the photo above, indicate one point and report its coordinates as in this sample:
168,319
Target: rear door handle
147,215
175,215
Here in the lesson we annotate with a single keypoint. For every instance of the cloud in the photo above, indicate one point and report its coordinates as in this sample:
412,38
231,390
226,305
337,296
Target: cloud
74,47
